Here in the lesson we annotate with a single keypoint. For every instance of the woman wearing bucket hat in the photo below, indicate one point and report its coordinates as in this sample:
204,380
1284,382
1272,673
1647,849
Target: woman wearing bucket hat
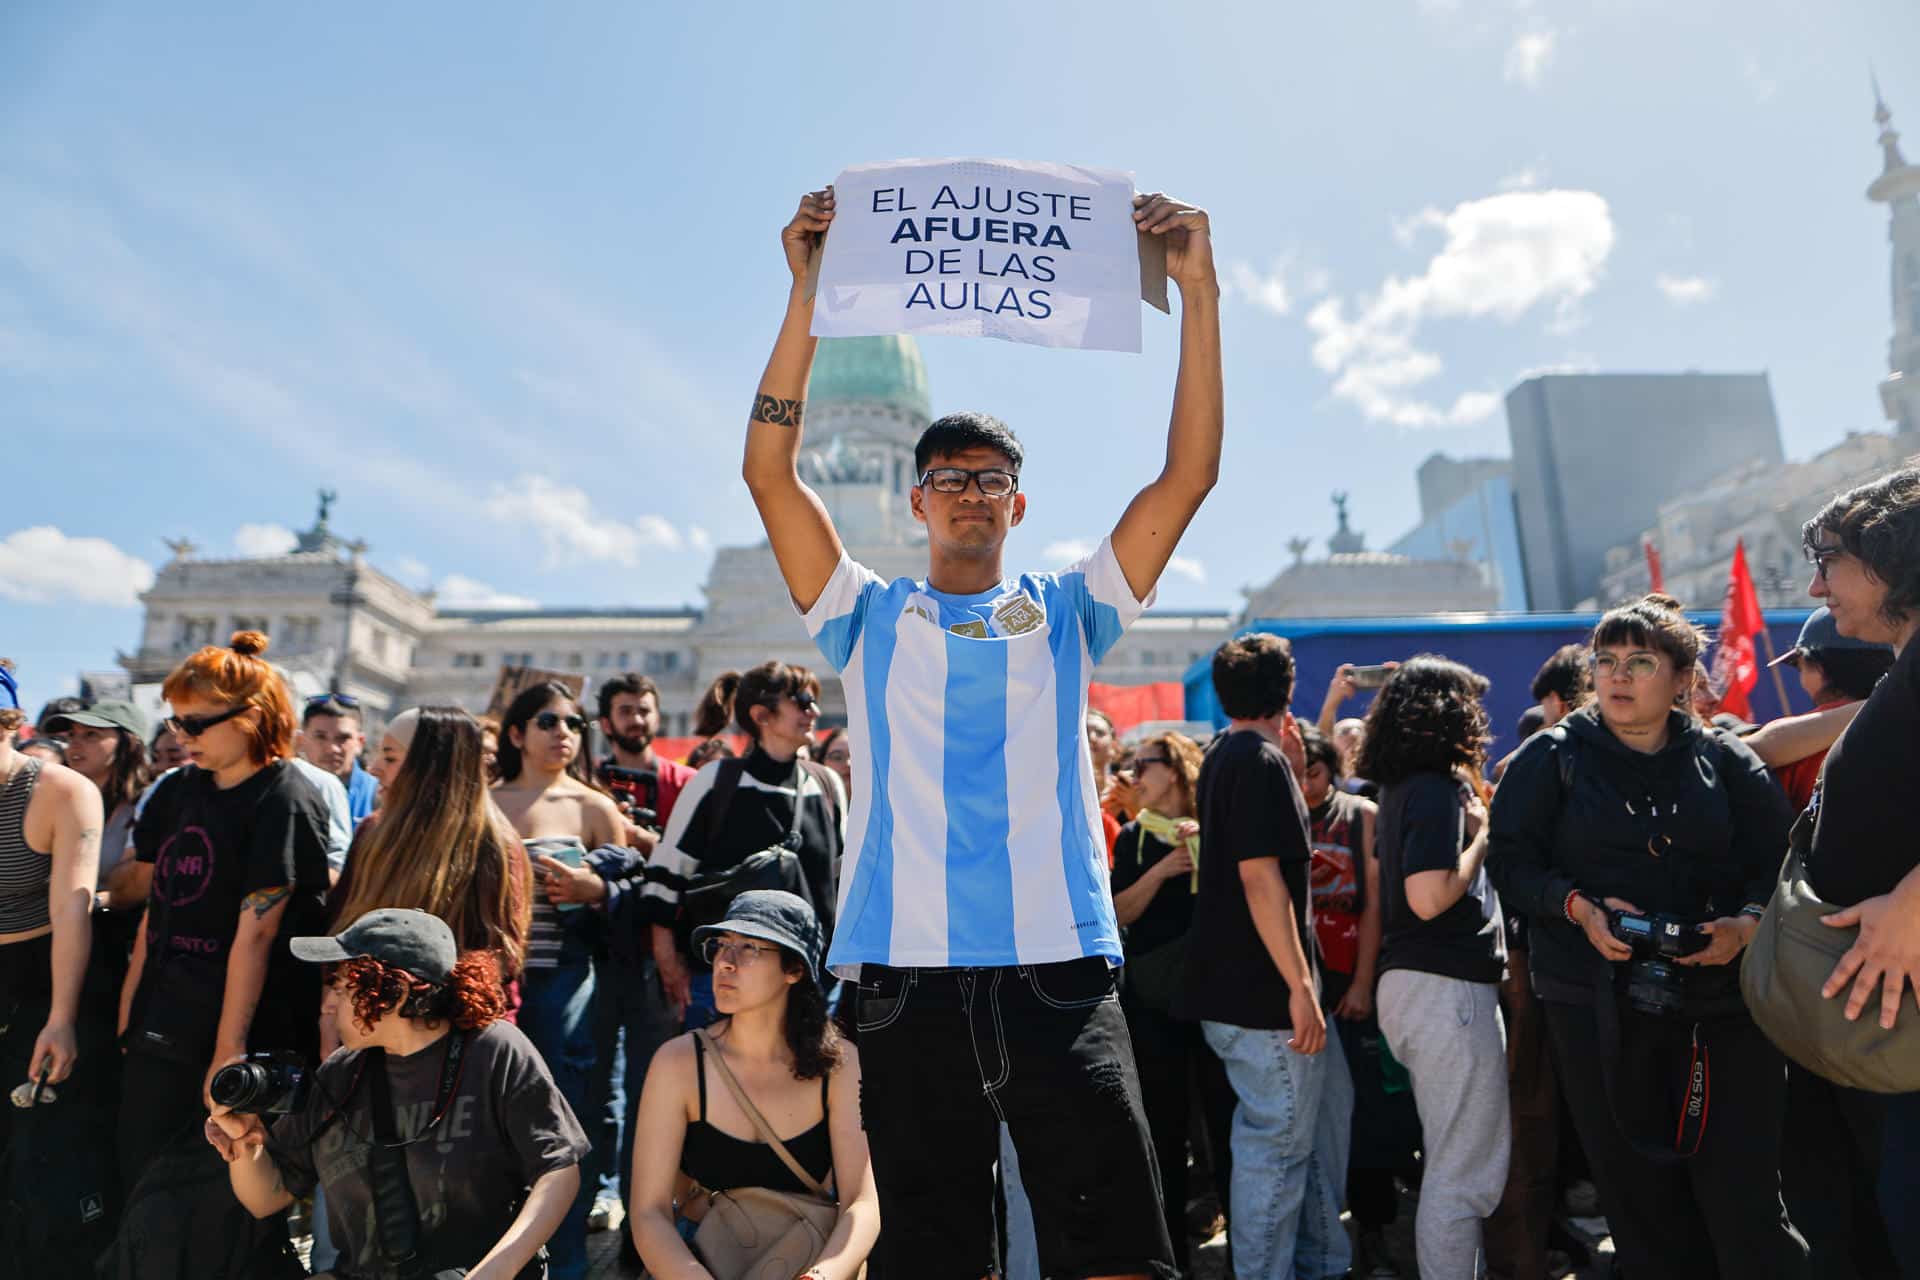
772,1062
432,1128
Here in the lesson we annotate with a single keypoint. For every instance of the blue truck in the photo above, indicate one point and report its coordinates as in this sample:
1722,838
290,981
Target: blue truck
1506,648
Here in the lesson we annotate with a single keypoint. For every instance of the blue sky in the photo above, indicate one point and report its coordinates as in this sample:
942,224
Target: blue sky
505,275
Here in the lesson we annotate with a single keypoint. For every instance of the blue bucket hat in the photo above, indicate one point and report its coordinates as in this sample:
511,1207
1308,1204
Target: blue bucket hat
772,915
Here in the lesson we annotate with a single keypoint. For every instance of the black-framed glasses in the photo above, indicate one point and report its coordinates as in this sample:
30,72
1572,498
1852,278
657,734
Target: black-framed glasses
548,721
344,699
804,700
1819,557
1636,666
737,954
194,726
994,482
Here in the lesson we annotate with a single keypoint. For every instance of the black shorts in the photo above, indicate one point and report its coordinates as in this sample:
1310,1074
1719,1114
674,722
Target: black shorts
945,1056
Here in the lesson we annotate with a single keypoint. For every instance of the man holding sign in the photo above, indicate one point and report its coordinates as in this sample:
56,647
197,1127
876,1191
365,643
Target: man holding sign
974,910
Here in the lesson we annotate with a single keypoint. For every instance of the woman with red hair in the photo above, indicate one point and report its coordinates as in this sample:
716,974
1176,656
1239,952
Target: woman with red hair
233,850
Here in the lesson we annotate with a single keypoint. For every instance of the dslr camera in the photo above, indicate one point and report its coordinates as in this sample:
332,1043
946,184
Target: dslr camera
636,791
271,1082
1655,984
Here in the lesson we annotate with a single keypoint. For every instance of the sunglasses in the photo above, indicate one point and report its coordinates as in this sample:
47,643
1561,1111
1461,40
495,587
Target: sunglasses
1140,762
1638,666
194,726
344,699
993,481
548,721
804,700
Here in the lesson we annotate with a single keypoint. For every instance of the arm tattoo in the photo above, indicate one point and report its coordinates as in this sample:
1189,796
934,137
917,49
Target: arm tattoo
261,901
781,413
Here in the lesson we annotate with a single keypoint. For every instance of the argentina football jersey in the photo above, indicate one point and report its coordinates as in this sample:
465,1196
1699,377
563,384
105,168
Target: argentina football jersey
974,837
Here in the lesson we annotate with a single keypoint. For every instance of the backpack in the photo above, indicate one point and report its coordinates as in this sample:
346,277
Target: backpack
61,1187
182,1222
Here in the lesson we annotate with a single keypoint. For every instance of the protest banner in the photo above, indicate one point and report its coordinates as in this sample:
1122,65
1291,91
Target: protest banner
1039,253
512,681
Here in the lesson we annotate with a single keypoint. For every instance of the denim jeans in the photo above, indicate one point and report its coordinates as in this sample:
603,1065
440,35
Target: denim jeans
557,1015
633,1021
1291,1132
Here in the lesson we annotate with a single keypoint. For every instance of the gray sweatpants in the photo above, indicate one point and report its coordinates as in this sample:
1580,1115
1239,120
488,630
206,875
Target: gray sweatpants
1448,1035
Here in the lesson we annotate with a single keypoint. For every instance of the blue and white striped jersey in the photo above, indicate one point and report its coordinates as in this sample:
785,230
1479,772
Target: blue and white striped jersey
974,835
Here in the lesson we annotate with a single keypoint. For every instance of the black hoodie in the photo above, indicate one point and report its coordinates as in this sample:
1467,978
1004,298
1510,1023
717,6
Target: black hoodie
1705,800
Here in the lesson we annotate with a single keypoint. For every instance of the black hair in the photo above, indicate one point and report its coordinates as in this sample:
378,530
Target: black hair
329,706
529,703
1253,676
1879,523
764,686
632,682
1320,750
1532,721
1428,718
959,432
1850,673
1654,622
128,777
1564,675
715,712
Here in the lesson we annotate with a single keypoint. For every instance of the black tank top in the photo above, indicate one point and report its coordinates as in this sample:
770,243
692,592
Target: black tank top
720,1162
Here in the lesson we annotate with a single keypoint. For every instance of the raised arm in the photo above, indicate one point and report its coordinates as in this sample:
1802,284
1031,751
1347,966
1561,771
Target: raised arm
798,528
1150,528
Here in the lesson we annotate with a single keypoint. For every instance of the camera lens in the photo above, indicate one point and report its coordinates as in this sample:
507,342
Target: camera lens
237,1086
1656,986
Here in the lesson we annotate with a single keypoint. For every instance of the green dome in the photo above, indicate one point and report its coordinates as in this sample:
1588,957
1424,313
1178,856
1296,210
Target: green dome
885,371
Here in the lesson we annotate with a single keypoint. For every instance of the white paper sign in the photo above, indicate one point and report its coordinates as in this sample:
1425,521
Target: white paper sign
1040,253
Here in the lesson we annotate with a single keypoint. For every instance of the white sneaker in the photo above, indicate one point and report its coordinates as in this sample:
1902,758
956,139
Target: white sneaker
605,1215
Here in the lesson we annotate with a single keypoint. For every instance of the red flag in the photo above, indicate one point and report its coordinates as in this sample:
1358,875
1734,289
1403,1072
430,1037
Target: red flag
1653,564
1129,705
1736,665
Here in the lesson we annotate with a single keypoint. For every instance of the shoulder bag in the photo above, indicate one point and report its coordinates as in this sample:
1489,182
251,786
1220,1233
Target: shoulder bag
751,1232
1789,960
706,899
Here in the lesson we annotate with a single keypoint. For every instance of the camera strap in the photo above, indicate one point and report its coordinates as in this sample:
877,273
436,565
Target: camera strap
1690,1127
396,1213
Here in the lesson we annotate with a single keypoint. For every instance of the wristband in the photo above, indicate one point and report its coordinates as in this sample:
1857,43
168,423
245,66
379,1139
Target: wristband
1566,907
1754,910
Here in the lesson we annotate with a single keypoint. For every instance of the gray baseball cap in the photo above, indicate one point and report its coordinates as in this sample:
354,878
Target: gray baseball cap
776,916
111,714
416,941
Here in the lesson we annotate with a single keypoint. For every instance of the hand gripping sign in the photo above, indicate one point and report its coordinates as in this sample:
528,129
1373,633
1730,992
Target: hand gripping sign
1039,253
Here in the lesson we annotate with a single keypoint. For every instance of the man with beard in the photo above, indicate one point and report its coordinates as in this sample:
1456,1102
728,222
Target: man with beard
635,1016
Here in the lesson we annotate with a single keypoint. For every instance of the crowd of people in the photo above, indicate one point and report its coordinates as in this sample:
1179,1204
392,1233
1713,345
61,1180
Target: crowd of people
974,985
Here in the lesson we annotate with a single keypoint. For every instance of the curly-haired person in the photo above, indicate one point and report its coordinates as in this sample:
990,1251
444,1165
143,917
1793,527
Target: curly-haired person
1443,948
481,1135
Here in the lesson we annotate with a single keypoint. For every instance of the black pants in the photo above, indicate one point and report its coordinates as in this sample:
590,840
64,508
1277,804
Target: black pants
946,1055
1516,1234
1900,1179
1717,1215
1829,1171
1174,1061
159,1105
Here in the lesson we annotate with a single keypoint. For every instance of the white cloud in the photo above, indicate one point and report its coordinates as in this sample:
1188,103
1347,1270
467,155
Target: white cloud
264,540
1067,550
457,591
1503,256
571,532
1188,567
1269,292
411,569
1686,291
42,565
1529,56
1521,179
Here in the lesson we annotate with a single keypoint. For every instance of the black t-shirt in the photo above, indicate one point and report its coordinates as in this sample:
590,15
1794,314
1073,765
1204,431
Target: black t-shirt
1250,807
209,849
1422,827
1170,912
506,1125
1863,820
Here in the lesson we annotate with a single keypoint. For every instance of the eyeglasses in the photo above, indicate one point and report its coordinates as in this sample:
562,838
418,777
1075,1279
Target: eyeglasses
738,954
839,755
1637,666
547,721
1141,762
804,700
194,726
344,699
1819,557
993,481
